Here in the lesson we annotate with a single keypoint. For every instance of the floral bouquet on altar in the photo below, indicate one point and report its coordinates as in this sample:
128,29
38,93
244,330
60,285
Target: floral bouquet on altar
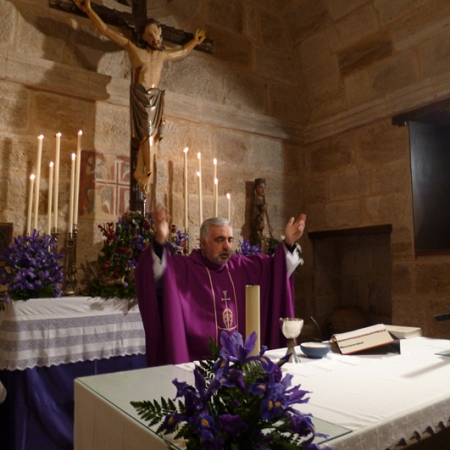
238,402
32,268
124,242
123,245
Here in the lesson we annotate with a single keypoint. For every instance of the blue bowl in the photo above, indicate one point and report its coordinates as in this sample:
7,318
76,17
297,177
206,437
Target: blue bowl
315,350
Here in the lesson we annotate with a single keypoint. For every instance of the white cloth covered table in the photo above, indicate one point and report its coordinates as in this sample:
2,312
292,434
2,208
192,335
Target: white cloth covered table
48,332
382,399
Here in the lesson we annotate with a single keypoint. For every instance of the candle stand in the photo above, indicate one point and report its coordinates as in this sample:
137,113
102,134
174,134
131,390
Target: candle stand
71,268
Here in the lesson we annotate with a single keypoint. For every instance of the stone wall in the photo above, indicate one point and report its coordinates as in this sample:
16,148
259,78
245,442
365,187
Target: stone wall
363,62
361,178
300,93
57,74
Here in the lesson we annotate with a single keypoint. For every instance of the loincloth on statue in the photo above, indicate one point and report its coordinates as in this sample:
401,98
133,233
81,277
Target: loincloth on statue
146,113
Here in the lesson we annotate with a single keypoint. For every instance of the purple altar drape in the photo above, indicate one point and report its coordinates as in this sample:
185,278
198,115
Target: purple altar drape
39,408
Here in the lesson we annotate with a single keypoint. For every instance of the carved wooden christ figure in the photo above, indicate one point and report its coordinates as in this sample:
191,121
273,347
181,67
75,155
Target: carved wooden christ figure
146,99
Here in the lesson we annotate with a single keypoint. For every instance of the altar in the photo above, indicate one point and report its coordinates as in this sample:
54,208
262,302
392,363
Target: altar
362,402
44,345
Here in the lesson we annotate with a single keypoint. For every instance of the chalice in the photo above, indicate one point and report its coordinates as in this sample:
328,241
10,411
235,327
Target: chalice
291,328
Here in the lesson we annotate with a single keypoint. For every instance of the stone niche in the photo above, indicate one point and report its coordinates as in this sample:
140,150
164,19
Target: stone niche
352,271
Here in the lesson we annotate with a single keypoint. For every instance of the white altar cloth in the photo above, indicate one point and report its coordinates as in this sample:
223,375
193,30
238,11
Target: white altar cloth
383,399
53,331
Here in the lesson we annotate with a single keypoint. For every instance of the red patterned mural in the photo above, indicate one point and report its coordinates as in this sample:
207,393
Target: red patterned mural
104,185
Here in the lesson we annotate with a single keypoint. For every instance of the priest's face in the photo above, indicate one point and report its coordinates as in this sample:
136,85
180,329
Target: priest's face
218,246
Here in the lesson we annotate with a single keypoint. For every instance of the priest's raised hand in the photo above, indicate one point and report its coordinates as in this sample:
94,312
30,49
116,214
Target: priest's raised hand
185,300
294,229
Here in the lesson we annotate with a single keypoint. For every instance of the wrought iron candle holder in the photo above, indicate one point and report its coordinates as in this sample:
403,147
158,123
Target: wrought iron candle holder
71,268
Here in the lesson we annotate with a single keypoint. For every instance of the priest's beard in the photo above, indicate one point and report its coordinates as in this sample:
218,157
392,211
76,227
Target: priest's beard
220,258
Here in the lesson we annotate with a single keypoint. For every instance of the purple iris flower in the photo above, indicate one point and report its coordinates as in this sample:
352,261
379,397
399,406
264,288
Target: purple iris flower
258,388
245,248
205,393
220,367
34,269
171,421
272,406
234,378
267,364
235,350
301,424
193,404
182,387
205,427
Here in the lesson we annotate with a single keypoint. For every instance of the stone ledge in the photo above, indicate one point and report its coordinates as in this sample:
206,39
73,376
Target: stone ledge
49,76
419,94
61,79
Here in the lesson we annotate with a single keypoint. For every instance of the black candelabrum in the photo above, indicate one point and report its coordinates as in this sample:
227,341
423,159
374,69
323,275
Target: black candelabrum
71,263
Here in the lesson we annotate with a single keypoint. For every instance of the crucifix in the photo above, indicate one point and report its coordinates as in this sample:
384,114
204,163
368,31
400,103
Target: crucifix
147,57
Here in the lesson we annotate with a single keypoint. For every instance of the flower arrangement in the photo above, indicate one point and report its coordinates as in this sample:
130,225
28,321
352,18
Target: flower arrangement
32,268
178,241
246,248
238,402
124,243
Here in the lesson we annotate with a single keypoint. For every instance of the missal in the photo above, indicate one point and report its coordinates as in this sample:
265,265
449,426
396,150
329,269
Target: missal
363,339
401,332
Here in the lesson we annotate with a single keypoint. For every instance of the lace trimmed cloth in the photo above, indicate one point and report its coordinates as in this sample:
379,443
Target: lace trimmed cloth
48,332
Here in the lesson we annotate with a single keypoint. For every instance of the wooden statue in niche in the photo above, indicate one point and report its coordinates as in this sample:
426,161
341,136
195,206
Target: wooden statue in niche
261,231
146,99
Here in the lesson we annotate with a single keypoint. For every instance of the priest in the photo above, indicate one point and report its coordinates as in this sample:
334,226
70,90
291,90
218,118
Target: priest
185,300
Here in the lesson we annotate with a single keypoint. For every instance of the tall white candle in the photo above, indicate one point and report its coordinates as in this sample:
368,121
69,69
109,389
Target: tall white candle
50,193
200,196
216,195
215,200
252,315
200,206
77,180
185,188
30,203
38,181
229,206
56,190
72,189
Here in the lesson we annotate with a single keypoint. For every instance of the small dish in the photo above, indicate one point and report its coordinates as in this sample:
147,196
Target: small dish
315,350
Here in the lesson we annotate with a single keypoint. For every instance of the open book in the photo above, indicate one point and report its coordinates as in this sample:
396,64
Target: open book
404,332
363,339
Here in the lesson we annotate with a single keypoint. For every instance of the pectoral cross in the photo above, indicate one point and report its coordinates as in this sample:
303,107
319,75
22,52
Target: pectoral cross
227,314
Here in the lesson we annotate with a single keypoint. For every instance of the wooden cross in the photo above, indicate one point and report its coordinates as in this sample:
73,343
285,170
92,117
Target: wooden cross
133,22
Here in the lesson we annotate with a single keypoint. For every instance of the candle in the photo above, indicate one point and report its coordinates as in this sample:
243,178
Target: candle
77,180
200,196
216,196
200,207
185,189
72,189
56,190
252,315
229,206
50,192
30,203
214,185
38,180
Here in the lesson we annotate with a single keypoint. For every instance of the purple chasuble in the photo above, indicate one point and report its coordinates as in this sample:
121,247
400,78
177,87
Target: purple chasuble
197,299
